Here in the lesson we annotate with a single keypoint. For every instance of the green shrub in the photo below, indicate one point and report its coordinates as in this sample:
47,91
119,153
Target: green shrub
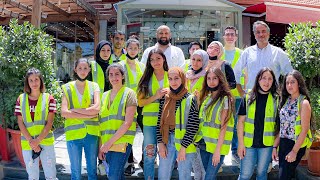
302,44
22,47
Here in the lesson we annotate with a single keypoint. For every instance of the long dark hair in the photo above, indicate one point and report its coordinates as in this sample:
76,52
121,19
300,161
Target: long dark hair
144,81
302,90
254,92
222,91
37,72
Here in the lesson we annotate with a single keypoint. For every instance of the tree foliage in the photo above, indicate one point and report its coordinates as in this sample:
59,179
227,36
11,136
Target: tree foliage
22,47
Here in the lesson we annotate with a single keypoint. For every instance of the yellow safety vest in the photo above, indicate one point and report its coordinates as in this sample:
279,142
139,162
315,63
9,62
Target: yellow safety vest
197,86
112,118
182,114
40,119
186,65
76,128
132,81
114,59
269,122
151,111
210,126
98,75
236,57
297,128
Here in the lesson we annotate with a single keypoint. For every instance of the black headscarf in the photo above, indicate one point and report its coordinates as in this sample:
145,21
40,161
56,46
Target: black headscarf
103,63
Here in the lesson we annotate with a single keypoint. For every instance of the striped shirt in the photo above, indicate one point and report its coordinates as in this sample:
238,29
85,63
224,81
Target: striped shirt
32,106
192,125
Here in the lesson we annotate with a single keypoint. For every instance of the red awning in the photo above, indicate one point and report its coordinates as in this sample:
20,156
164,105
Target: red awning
256,9
286,14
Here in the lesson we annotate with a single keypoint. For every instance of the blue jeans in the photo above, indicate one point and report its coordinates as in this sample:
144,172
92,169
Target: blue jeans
234,143
259,157
166,165
211,171
48,161
90,146
149,150
117,161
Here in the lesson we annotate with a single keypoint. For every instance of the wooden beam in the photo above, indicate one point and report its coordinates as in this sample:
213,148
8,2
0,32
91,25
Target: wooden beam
55,8
11,14
23,7
36,13
86,6
96,34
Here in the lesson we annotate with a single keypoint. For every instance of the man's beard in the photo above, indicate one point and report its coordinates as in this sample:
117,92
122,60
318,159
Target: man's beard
163,42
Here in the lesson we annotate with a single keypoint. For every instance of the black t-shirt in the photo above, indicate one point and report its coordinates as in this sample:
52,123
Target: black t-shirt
261,102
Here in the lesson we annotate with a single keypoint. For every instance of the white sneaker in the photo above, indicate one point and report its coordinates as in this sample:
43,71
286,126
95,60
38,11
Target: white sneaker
101,169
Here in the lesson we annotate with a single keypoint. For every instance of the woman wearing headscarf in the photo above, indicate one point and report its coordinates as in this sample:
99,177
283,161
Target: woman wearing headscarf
100,65
176,129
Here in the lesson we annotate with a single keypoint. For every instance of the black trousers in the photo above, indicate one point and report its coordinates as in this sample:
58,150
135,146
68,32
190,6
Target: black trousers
287,170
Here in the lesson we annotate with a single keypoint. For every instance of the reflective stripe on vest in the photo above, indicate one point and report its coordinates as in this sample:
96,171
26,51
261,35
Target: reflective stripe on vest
210,126
269,122
115,59
112,118
132,81
181,124
151,111
297,128
235,60
78,128
197,86
40,119
97,75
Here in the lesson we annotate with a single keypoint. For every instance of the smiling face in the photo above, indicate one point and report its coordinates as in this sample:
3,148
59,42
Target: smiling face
82,69
115,77
212,80
196,62
174,79
132,49
292,85
265,81
230,36
261,34
34,82
213,50
163,35
105,52
156,61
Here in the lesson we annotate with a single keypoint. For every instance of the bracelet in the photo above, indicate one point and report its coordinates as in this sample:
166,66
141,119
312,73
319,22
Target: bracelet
275,147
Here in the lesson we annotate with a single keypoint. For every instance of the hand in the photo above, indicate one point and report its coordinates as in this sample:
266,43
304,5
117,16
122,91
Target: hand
101,155
291,157
216,158
160,93
162,150
105,147
275,154
181,154
241,151
34,143
37,149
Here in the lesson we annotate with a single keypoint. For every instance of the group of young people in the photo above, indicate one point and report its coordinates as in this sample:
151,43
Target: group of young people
188,114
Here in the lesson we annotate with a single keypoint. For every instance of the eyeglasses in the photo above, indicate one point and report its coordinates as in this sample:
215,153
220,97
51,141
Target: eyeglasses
230,34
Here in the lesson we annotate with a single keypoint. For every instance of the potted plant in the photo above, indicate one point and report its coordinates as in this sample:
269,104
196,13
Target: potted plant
302,43
22,47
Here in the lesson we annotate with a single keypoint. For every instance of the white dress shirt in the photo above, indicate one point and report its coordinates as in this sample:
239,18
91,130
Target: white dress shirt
254,59
174,56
